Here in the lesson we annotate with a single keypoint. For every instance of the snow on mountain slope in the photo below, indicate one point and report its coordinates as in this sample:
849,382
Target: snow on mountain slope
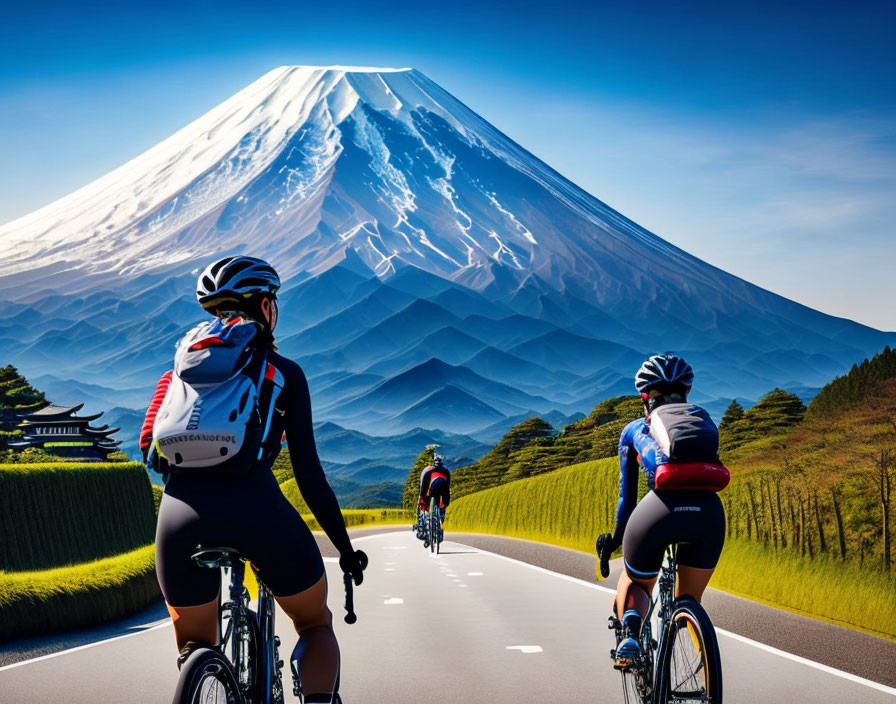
394,213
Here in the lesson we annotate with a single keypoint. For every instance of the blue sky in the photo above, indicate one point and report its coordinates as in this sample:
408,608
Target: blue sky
759,136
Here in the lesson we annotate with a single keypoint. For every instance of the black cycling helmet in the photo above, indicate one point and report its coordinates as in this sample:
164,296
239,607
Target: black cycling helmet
664,371
436,461
234,279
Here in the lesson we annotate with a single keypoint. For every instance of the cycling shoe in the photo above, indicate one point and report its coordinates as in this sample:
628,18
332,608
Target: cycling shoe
627,653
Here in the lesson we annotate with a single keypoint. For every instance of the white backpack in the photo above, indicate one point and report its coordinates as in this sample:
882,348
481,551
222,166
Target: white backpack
210,413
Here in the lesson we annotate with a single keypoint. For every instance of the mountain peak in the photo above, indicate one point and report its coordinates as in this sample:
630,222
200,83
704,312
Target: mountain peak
345,69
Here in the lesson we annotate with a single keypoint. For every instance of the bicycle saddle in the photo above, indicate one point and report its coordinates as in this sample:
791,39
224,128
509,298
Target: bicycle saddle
216,556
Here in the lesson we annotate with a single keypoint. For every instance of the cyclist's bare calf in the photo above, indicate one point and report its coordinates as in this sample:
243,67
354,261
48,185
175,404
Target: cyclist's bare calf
198,624
692,581
317,651
637,598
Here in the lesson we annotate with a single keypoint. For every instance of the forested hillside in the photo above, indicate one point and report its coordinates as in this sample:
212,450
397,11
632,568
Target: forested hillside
819,483
814,481
533,447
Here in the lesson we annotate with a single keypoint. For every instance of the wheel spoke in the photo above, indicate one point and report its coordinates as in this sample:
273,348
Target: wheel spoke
687,667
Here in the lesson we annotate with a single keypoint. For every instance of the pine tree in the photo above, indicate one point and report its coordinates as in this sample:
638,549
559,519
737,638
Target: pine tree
17,397
777,411
733,413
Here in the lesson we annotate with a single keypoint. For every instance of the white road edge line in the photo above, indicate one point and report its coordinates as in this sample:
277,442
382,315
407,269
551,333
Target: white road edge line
164,624
756,644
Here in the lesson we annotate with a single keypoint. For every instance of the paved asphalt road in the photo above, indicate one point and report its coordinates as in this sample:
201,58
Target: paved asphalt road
466,626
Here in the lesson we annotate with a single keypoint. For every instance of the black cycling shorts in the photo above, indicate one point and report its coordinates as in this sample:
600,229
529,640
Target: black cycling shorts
249,514
439,490
693,519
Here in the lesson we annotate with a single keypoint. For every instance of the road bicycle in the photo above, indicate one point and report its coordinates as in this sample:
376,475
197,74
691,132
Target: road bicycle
683,663
245,666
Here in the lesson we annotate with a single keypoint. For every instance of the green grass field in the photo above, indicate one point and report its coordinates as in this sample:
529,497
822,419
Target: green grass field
572,506
569,507
839,592
80,595
354,517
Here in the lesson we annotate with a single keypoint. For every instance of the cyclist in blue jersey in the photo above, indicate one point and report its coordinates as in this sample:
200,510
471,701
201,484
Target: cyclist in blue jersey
692,517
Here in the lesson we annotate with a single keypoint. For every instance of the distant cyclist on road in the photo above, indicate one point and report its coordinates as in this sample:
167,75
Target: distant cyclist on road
240,504
435,481
676,444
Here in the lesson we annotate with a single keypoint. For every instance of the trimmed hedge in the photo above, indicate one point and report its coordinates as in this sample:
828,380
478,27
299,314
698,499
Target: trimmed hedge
63,513
83,595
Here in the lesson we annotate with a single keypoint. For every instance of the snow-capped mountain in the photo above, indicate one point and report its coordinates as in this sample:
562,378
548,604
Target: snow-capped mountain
435,272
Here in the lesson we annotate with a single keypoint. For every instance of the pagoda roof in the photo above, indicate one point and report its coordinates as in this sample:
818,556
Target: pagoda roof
52,413
53,410
105,430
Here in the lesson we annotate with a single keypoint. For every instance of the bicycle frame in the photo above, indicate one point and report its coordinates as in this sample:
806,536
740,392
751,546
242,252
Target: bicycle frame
258,672
666,583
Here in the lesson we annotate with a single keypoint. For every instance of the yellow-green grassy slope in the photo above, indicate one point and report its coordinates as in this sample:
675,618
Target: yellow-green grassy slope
76,596
354,517
571,506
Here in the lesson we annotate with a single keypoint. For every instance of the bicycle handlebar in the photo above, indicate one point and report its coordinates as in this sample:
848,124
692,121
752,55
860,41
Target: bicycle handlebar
603,553
350,615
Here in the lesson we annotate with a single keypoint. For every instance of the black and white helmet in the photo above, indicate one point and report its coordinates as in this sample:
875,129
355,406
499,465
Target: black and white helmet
664,370
437,461
235,279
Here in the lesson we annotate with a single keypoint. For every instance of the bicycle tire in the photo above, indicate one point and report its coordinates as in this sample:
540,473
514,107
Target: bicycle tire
207,677
637,682
270,680
689,667
433,529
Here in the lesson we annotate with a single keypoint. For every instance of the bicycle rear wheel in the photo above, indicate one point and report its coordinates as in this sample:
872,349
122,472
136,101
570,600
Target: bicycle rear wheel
433,525
689,668
631,693
207,678
637,682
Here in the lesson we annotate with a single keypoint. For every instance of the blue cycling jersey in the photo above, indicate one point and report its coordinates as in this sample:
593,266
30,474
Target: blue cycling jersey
637,448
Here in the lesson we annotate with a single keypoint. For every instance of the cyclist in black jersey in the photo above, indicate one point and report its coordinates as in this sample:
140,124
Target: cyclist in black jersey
249,512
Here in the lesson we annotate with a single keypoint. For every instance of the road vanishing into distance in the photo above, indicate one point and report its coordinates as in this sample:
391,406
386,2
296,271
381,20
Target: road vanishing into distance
469,626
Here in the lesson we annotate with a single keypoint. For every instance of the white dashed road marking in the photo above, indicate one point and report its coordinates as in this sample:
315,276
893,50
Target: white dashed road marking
526,648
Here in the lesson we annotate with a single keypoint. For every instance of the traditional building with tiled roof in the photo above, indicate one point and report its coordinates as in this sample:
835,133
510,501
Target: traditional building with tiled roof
59,431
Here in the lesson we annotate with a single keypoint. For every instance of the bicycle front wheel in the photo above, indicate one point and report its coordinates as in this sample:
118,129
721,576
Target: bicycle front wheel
689,668
207,678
